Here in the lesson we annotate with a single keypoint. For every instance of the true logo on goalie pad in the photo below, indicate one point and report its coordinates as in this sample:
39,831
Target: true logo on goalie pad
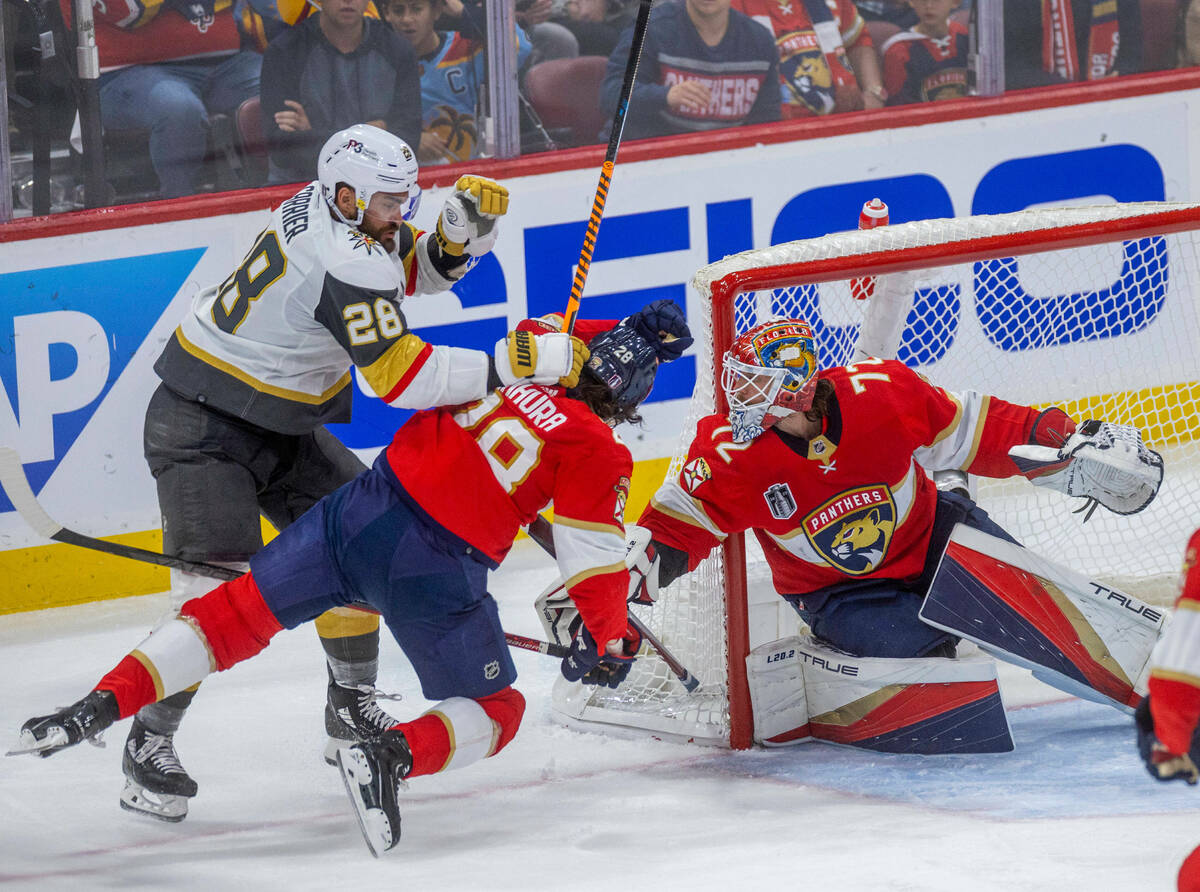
780,500
853,530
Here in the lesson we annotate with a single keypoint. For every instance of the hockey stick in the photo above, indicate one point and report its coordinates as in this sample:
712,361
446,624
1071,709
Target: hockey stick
606,169
16,484
540,532
20,493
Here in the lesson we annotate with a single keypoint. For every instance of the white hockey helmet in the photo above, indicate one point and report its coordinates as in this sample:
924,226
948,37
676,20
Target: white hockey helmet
369,160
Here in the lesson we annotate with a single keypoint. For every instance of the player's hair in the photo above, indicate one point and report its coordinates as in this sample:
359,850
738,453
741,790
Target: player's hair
822,398
600,399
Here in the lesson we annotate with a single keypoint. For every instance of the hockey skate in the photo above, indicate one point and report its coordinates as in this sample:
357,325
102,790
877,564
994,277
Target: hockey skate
83,720
155,783
373,772
352,716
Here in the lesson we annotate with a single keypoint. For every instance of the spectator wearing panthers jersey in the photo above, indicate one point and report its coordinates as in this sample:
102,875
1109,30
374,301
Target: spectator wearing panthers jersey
930,61
453,70
827,62
165,67
704,66
328,72
1059,41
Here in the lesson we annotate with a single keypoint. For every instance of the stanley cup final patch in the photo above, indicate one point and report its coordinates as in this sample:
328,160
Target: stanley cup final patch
852,531
780,501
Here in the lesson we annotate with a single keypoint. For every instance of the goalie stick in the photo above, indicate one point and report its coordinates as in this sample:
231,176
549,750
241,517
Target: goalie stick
606,169
540,532
20,493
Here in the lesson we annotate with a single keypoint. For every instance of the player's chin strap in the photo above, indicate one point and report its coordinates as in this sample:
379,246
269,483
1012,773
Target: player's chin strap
1104,463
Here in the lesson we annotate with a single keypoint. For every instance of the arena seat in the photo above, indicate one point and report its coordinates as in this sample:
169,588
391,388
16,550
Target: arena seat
565,93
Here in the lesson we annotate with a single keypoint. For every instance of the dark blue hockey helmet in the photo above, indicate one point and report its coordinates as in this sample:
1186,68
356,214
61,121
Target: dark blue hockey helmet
625,361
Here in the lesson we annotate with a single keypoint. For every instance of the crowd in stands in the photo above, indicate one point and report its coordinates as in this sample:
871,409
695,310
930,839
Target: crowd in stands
419,67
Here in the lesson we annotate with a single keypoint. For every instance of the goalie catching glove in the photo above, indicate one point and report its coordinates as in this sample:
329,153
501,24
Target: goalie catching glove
468,220
555,358
588,663
1103,462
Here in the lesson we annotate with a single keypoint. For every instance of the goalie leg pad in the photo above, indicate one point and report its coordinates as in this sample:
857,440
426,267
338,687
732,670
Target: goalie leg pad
1074,633
928,706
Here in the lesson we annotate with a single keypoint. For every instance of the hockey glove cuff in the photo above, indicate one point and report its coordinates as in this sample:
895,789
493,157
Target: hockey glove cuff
1161,763
555,358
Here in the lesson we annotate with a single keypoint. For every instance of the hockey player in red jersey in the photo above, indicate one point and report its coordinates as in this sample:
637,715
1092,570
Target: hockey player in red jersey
262,361
831,470
1167,734
413,538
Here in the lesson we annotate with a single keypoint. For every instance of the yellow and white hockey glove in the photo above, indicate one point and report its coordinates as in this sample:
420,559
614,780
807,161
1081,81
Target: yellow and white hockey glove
469,216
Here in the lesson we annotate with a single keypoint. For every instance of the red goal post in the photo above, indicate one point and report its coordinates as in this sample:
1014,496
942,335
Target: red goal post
1096,309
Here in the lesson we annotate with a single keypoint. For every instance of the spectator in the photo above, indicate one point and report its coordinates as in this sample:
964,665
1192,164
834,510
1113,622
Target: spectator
452,69
1082,48
1190,38
332,70
550,40
930,61
596,24
827,62
165,67
703,66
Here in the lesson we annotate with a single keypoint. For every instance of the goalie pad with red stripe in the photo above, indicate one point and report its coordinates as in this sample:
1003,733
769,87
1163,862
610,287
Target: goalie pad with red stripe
925,705
1082,637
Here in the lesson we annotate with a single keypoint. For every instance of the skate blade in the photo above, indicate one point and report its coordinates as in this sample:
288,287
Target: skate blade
160,806
372,823
332,748
55,739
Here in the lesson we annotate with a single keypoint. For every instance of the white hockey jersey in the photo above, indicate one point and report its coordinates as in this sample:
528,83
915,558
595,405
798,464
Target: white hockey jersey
275,341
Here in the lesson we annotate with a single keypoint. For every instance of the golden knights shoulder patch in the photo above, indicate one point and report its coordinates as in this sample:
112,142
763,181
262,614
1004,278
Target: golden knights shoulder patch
852,531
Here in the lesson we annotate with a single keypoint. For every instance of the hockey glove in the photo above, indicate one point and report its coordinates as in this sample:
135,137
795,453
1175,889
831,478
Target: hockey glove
641,557
468,220
662,324
559,616
1162,764
555,358
587,664
1102,462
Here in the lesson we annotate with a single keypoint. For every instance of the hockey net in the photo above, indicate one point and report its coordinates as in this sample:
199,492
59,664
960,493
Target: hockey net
1094,309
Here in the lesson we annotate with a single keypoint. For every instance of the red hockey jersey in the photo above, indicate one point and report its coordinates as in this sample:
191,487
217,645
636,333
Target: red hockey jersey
1175,678
486,469
856,500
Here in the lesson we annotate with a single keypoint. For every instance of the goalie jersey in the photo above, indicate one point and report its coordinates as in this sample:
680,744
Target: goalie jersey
274,342
484,470
855,501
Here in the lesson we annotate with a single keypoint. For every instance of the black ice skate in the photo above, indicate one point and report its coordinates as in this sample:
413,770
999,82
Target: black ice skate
352,716
373,772
155,783
84,720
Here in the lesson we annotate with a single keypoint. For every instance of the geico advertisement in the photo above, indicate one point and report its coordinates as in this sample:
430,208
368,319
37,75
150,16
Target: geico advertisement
85,316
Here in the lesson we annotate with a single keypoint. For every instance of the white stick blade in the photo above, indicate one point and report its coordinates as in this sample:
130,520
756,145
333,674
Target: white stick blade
16,485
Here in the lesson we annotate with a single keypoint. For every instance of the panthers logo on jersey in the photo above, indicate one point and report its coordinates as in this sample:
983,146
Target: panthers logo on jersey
852,531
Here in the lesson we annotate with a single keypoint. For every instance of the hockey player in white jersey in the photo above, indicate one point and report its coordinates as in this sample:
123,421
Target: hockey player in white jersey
263,360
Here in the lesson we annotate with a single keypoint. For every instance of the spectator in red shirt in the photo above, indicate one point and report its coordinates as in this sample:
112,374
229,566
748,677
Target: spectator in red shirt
930,61
827,62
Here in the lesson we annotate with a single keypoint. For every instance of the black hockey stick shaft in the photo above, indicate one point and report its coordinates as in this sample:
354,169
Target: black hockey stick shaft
20,493
541,532
606,169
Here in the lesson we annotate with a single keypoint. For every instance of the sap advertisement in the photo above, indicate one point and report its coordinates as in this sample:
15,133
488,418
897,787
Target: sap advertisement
83,316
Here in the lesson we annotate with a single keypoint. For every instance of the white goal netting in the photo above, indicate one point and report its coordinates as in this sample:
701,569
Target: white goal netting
1094,309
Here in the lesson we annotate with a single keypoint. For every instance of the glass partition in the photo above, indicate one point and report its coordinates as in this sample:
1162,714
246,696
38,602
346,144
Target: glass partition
199,96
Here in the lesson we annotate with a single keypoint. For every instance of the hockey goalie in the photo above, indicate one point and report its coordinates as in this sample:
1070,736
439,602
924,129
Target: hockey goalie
833,471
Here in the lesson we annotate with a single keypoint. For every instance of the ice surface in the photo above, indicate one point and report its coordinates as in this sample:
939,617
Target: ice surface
1071,809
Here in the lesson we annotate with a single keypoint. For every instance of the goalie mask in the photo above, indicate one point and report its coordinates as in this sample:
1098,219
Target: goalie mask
625,361
368,160
769,372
